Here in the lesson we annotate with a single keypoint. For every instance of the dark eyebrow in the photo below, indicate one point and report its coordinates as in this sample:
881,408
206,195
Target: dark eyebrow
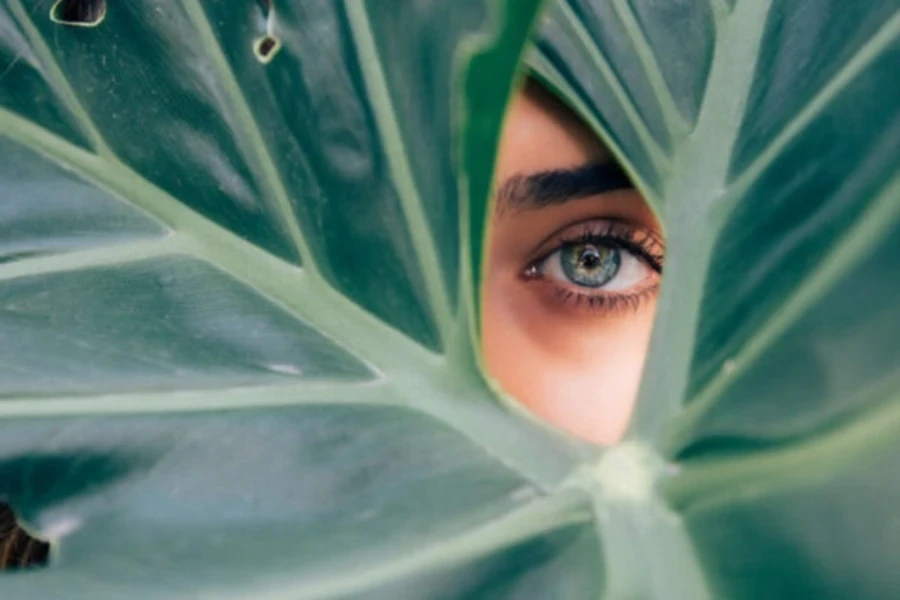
547,188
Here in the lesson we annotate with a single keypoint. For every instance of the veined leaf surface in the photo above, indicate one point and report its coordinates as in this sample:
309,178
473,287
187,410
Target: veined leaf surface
767,133
236,297
236,356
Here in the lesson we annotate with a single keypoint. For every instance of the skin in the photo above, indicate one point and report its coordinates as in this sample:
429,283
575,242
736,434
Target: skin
574,364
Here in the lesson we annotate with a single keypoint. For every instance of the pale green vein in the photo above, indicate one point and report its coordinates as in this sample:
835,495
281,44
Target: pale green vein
58,80
668,567
720,10
201,400
659,158
94,257
540,517
286,284
864,56
526,445
854,245
632,520
675,121
250,139
411,367
401,170
817,459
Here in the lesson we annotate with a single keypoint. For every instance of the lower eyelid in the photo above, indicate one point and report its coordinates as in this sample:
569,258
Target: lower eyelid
602,303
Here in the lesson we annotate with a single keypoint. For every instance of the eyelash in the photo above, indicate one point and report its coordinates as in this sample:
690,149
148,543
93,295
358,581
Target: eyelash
604,303
642,243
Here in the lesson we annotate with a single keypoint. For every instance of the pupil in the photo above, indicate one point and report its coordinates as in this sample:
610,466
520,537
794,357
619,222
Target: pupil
590,258
590,265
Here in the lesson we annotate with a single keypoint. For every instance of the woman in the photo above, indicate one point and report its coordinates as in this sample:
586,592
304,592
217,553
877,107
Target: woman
574,262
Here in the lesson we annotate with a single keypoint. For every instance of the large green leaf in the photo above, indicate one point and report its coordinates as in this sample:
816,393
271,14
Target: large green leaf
236,355
236,296
767,133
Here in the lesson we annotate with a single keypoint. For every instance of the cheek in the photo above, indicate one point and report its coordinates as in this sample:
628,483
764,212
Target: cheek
576,370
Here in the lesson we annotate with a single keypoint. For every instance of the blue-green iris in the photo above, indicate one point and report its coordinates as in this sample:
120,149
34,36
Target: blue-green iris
589,265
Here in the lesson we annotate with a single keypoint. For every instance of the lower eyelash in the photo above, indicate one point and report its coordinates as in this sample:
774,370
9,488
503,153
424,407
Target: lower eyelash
605,303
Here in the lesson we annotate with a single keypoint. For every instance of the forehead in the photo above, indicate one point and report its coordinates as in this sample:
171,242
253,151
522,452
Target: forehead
541,134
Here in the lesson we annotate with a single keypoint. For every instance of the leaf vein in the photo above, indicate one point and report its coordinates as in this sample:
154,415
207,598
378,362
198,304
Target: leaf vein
675,121
868,231
654,151
866,55
400,168
254,149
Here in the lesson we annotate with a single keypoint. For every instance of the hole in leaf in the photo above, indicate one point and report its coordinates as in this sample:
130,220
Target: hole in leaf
80,13
574,259
266,47
18,548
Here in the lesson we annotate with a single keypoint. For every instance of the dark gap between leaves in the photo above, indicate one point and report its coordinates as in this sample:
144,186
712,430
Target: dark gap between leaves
18,548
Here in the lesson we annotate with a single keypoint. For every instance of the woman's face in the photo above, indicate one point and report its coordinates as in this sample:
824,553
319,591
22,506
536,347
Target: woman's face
573,268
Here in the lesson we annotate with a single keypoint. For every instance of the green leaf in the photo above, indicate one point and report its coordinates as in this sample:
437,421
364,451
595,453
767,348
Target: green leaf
235,291
768,135
238,252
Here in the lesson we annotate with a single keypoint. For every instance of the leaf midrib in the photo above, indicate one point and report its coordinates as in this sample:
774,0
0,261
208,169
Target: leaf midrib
693,208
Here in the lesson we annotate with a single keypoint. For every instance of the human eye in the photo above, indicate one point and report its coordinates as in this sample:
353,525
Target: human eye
599,265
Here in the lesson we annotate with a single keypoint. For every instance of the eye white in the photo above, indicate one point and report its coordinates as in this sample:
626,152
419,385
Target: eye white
632,271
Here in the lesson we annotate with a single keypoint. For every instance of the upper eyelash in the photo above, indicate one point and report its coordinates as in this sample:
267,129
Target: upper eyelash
643,243
640,242
652,259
